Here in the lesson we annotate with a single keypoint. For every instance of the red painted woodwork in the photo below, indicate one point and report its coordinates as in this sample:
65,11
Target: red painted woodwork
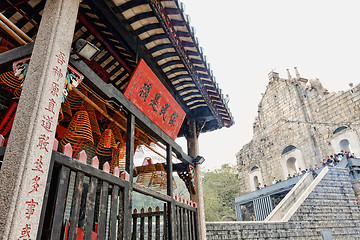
148,94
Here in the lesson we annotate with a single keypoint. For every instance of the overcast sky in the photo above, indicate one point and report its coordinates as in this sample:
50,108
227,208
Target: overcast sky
245,40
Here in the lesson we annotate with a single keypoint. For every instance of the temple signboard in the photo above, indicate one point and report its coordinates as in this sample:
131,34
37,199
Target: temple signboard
148,94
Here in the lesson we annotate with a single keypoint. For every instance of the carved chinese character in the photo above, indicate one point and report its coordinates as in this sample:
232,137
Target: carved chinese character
38,165
172,119
30,208
145,90
46,123
164,110
61,58
54,89
43,142
51,106
57,73
155,101
35,184
25,232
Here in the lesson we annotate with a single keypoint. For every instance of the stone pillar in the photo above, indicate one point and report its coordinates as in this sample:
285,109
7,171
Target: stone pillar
25,167
198,197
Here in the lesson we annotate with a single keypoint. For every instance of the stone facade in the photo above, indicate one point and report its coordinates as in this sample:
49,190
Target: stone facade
298,124
331,209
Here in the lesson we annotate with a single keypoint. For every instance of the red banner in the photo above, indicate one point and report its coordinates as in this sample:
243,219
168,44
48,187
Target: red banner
148,94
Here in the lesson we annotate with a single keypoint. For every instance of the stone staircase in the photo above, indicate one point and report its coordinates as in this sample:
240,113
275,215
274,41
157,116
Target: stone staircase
326,209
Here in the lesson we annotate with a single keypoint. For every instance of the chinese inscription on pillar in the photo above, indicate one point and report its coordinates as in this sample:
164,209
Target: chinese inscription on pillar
47,124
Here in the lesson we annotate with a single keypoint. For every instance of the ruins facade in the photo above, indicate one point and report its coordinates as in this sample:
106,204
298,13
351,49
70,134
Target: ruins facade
299,123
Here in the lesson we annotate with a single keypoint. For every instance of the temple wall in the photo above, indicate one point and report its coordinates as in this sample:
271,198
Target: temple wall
302,114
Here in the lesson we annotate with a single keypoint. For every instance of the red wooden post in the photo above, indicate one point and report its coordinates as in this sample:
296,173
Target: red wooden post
124,175
95,162
56,144
106,167
82,157
67,150
116,171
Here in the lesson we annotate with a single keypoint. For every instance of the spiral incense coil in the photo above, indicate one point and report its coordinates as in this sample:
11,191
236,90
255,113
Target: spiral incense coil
146,172
79,133
118,159
61,116
75,101
158,178
66,111
106,144
17,93
94,125
10,80
117,132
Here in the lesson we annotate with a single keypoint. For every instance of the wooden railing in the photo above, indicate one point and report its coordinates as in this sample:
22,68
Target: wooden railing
138,226
185,223
84,202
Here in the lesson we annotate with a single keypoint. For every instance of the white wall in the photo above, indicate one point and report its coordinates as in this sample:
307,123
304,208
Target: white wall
353,139
252,174
297,154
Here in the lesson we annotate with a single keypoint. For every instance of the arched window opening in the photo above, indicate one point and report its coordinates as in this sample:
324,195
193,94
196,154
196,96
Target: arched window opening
290,164
256,181
288,149
345,145
254,168
339,129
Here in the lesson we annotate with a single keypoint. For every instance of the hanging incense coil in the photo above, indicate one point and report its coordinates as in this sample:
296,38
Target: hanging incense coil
75,101
118,133
10,80
79,133
118,159
66,111
94,125
61,116
106,144
100,104
158,178
17,93
146,172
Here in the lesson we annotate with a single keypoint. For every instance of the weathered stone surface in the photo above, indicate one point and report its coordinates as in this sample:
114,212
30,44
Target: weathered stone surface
305,116
339,215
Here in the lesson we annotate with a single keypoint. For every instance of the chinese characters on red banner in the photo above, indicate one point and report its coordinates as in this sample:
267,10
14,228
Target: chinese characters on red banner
148,94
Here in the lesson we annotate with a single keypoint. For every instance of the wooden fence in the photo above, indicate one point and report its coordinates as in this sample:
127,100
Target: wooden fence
143,222
84,202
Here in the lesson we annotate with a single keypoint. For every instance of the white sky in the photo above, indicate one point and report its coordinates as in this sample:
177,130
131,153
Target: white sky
245,40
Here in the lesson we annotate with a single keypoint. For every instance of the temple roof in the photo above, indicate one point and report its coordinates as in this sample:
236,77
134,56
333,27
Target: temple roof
157,31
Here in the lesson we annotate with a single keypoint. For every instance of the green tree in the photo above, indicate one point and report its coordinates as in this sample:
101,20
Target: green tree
220,188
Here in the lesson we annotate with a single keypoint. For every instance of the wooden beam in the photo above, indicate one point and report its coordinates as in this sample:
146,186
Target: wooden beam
16,53
147,191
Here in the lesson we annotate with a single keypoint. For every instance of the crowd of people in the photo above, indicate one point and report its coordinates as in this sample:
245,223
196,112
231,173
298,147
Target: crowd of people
330,161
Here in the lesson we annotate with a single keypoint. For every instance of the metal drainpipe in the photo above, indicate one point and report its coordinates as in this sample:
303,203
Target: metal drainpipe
83,20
